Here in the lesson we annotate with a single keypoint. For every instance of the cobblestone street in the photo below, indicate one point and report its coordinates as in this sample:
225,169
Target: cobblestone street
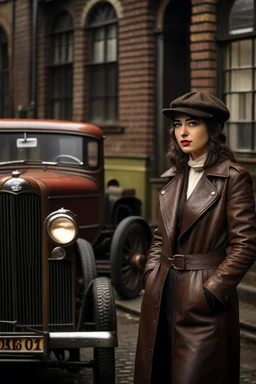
125,353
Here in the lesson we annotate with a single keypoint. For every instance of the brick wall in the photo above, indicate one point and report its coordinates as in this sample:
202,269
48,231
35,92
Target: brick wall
136,80
202,46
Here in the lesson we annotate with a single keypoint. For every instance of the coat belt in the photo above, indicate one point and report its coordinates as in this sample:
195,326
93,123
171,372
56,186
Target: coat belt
193,262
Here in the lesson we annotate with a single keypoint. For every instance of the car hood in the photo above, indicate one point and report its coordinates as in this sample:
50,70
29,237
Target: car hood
60,183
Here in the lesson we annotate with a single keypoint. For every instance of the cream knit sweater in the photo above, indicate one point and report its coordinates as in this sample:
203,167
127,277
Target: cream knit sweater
194,174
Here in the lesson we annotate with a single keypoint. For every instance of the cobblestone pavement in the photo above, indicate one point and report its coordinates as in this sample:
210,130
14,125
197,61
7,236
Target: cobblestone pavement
125,353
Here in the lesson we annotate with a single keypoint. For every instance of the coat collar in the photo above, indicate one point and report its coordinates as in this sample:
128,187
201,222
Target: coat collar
221,170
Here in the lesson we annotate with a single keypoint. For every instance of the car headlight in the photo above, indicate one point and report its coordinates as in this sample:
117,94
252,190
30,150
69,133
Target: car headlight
61,227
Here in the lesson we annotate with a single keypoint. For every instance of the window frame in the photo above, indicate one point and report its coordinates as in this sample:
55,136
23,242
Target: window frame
111,125
223,40
4,72
62,69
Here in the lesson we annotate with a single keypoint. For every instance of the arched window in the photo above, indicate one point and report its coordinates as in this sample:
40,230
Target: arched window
61,68
238,42
241,17
4,75
102,65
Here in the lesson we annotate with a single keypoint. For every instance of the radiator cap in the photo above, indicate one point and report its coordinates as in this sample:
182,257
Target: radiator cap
16,173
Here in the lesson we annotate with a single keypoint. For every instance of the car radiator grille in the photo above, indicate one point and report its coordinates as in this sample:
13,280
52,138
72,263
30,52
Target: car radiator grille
21,268
60,289
20,259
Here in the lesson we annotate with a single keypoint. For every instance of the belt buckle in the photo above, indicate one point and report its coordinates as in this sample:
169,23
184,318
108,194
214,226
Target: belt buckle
176,258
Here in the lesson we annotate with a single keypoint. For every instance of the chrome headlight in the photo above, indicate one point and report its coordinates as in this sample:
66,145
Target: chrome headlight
61,227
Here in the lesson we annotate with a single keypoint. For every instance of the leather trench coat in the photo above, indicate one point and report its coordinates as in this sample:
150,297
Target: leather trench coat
218,239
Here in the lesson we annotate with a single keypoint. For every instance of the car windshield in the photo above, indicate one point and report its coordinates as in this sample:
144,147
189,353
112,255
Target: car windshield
49,148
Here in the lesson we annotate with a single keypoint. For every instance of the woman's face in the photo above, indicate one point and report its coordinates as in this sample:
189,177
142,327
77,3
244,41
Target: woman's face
191,135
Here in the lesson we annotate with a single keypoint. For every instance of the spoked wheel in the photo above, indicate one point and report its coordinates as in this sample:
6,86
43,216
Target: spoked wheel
128,255
105,320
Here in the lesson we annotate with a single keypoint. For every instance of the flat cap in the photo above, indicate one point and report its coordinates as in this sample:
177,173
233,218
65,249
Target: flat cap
199,104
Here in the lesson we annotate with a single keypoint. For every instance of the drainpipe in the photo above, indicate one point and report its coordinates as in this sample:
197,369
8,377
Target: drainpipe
32,108
11,80
160,127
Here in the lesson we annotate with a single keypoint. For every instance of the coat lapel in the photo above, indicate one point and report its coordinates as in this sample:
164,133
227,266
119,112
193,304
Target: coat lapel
169,200
201,199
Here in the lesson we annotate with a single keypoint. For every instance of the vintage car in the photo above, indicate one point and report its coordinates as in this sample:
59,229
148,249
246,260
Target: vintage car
65,241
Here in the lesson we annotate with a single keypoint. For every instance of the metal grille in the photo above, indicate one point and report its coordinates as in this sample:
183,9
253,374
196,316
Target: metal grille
60,290
20,259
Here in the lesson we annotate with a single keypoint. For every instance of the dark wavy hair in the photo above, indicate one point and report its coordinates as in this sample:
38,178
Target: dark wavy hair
218,150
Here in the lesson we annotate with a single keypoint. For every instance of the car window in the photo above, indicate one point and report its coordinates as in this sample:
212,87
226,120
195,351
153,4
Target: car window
73,150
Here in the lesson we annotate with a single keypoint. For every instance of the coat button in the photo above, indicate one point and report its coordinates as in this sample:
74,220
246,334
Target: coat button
213,193
157,307
163,192
154,321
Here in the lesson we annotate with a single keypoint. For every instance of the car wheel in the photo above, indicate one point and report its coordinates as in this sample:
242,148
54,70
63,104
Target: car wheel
128,255
105,320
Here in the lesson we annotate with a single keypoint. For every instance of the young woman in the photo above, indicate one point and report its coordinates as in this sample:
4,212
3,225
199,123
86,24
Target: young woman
204,244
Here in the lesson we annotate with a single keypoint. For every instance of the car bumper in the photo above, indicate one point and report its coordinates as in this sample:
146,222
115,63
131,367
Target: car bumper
51,341
67,340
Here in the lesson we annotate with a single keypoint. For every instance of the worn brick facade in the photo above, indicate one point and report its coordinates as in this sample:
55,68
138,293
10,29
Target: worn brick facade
137,21
202,46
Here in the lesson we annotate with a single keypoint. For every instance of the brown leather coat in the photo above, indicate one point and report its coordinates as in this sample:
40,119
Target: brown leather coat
219,222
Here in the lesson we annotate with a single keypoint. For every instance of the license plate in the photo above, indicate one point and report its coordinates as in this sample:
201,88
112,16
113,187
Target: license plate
17,344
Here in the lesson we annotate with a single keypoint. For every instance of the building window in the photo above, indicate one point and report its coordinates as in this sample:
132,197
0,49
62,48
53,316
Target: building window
61,68
4,75
240,75
101,67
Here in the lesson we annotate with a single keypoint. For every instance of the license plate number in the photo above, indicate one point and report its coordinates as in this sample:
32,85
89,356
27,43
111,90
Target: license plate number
22,344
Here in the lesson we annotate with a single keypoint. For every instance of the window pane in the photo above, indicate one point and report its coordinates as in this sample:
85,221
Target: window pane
246,53
227,81
112,44
63,48
55,47
4,75
240,137
97,110
241,16
240,106
56,110
235,54
97,78
102,74
241,80
92,153
112,80
227,57
4,55
111,109
70,48
98,46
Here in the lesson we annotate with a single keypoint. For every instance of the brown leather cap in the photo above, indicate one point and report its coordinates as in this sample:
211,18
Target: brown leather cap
199,104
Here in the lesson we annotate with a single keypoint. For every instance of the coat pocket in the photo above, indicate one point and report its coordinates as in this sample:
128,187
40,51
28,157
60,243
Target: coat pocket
190,298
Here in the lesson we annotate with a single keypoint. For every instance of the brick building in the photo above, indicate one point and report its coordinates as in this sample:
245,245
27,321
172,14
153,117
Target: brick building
118,63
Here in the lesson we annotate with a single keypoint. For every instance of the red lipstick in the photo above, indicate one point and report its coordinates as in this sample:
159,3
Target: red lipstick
185,143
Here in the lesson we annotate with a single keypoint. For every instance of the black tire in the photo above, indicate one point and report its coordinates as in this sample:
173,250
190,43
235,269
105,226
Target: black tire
132,236
105,320
86,273
87,259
